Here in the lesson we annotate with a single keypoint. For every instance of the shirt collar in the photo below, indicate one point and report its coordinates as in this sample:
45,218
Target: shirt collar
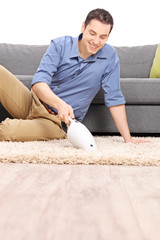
75,52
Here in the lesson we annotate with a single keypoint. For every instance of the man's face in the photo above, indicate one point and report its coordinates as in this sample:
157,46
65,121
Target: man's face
94,37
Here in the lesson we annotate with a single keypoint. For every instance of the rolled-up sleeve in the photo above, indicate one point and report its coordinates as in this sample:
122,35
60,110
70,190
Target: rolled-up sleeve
48,65
111,84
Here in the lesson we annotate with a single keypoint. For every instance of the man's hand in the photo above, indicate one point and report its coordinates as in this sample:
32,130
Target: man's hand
64,111
138,141
120,119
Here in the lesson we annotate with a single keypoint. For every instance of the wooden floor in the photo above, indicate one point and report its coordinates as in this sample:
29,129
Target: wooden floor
79,202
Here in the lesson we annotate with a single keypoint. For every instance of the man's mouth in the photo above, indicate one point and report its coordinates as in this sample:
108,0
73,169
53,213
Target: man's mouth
93,47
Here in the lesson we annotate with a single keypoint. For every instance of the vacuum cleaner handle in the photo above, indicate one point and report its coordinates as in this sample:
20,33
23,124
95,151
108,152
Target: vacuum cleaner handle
70,119
64,125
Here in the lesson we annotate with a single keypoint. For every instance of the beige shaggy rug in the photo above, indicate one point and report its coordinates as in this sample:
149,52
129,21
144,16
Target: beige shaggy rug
111,151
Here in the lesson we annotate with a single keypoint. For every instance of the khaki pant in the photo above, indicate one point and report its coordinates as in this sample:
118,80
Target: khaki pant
31,122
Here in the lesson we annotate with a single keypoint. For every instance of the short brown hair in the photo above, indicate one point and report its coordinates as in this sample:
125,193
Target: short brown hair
101,15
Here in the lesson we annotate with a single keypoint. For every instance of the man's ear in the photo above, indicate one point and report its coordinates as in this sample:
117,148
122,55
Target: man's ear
83,27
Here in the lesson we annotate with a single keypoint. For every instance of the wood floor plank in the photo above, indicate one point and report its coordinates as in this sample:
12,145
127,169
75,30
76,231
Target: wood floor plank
23,201
90,210
54,202
143,188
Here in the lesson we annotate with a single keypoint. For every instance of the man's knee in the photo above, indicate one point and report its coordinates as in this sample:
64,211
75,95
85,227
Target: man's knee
6,131
14,130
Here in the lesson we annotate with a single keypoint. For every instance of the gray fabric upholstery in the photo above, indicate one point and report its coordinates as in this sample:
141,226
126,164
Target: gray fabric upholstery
141,119
26,80
136,62
136,91
142,91
21,59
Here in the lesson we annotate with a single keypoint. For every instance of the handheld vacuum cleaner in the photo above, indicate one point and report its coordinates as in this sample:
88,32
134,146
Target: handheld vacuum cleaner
79,135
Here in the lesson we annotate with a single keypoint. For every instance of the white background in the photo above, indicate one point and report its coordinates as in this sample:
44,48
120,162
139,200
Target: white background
38,21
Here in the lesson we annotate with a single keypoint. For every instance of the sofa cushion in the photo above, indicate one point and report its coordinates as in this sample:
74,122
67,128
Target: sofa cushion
155,70
136,62
141,91
141,119
136,91
21,59
26,80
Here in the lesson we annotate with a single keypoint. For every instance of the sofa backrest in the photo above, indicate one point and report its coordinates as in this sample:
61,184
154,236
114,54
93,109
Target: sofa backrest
136,62
21,59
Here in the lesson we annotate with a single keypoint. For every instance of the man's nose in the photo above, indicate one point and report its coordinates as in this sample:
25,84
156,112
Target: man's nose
96,40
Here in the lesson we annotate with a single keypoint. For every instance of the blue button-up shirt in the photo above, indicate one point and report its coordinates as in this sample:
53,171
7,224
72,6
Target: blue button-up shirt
76,80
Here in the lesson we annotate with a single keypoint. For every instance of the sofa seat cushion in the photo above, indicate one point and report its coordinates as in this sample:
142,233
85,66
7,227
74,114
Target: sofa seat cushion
141,90
144,91
26,80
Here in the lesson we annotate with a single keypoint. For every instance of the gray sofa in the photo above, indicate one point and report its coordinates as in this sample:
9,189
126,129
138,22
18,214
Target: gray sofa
142,94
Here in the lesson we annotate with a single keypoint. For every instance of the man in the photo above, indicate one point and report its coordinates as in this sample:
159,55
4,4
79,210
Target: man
69,76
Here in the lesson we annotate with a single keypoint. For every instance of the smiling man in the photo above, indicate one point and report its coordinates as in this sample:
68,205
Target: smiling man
69,76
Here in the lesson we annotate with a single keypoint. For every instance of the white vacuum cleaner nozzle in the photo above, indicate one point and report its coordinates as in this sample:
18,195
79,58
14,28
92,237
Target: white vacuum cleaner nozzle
80,136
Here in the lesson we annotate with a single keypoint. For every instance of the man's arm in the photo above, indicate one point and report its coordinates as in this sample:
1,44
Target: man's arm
119,116
44,93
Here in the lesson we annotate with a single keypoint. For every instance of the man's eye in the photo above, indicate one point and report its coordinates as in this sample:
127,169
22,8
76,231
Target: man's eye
103,38
92,33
